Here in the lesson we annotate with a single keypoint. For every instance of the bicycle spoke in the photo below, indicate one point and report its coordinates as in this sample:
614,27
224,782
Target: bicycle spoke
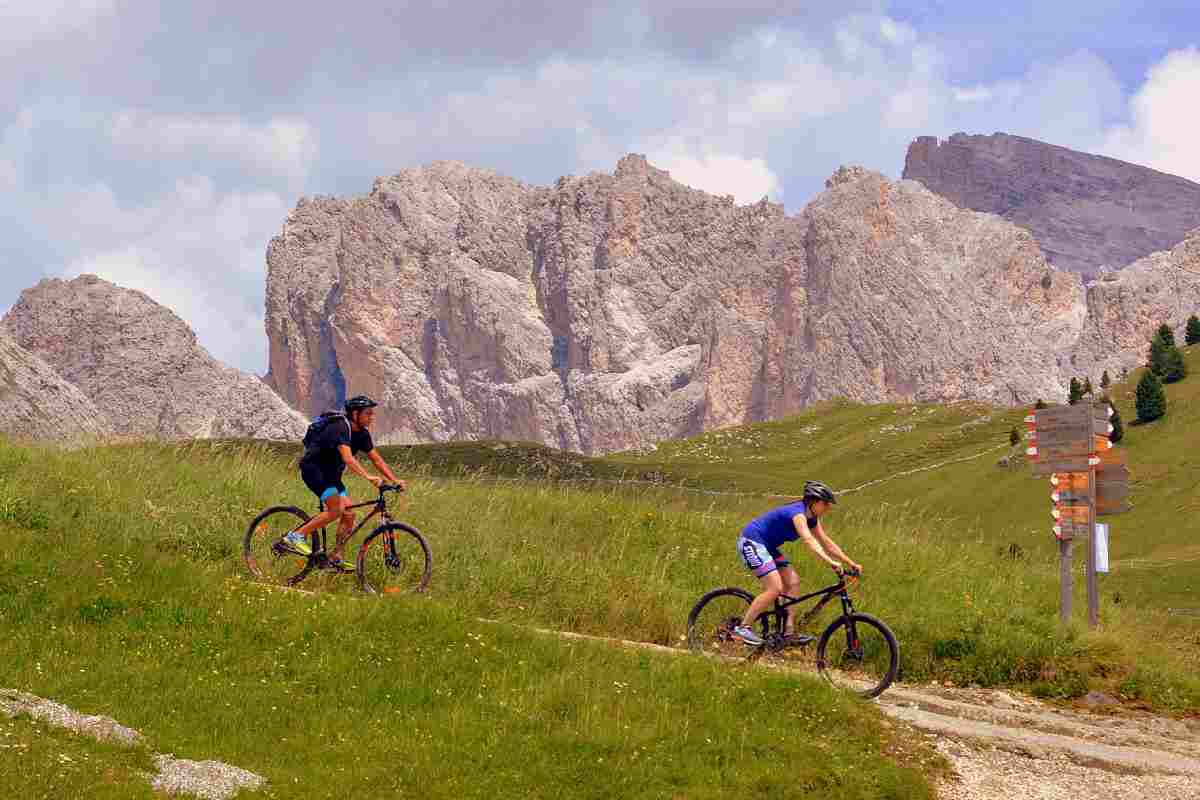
394,560
858,654
265,556
711,624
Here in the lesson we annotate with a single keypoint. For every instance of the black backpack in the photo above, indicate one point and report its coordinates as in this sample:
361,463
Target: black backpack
318,425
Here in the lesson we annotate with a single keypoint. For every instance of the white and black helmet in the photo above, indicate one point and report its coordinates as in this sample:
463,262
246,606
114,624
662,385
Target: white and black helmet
815,490
359,402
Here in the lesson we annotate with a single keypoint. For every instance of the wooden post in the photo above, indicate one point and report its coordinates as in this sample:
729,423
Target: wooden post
1093,592
1065,558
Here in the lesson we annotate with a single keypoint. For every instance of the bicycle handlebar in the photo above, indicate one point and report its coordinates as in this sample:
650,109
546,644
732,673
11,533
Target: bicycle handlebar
389,487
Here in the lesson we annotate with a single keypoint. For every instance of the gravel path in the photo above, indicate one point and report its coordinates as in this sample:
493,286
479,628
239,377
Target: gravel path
208,780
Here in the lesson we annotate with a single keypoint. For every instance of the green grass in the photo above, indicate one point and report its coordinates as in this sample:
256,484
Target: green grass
121,593
50,763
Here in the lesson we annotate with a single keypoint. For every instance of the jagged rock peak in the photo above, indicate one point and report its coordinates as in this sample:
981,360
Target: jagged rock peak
847,174
1089,213
141,366
612,311
36,403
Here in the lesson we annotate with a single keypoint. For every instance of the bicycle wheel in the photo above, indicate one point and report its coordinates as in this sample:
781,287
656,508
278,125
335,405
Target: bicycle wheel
859,653
394,559
713,618
263,558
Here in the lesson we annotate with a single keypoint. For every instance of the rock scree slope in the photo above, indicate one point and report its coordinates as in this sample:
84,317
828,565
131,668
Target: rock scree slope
1087,212
611,311
37,403
140,365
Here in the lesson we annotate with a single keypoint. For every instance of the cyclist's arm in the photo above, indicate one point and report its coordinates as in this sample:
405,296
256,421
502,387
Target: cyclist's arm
354,466
831,547
382,466
806,536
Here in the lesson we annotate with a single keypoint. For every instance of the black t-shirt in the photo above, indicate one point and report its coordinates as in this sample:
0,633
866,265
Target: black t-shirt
324,451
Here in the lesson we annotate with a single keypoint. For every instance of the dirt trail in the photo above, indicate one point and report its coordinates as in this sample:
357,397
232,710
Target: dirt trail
1005,746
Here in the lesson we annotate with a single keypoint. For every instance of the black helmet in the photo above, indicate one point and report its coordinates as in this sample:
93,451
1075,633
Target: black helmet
815,490
359,403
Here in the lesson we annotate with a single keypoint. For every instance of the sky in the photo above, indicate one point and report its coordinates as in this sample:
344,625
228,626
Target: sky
162,145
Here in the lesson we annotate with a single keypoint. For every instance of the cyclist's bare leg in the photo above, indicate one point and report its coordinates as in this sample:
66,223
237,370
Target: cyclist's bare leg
772,584
345,526
791,587
321,520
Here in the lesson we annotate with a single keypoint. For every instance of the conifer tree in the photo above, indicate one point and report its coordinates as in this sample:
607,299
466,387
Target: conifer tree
1105,381
1191,336
1014,436
1151,400
1156,360
1087,386
1040,404
1176,368
1166,334
1075,392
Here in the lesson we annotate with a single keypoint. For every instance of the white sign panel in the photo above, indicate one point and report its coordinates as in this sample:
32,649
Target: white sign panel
1101,539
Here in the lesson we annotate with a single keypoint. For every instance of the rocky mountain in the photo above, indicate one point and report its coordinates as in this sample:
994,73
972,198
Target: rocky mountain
141,366
1087,212
36,403
611,311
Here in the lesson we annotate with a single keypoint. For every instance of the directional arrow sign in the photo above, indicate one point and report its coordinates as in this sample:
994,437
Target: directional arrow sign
1069,530
1070,481
1072,464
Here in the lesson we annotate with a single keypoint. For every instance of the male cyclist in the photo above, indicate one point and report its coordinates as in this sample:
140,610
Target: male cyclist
759,544
329,449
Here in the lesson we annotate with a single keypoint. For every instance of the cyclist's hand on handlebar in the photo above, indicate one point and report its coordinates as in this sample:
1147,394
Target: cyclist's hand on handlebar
837,569
398,486
375,479
854,570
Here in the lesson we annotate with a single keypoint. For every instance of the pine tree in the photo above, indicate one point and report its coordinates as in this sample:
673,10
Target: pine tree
1040,404
1151,400
1014,436
1087,386
1166,334
1176,369
1191,335
1105,381
1075,393
1156,361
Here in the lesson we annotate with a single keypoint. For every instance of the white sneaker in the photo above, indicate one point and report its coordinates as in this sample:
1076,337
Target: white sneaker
748,636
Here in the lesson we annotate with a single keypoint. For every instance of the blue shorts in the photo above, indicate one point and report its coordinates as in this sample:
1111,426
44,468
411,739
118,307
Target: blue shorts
758,558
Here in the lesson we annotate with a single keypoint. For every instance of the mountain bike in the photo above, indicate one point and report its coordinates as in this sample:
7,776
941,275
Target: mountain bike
856,651
394,558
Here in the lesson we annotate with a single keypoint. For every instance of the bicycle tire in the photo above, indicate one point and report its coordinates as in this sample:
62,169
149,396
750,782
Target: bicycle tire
383,569
702,640
858,618
261,533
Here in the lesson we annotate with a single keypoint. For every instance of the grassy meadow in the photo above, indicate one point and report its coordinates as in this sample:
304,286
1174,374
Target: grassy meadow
123,593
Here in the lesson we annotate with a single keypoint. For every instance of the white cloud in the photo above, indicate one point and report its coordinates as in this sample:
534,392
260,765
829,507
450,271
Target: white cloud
195,250
8,175
26,21
285,147
1164,129
747,179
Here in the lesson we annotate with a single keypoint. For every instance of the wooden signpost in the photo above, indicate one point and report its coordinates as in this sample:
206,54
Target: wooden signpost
1087,478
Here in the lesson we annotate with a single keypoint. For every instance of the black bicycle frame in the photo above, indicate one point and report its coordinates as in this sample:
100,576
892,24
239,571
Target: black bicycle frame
380,508
826,594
